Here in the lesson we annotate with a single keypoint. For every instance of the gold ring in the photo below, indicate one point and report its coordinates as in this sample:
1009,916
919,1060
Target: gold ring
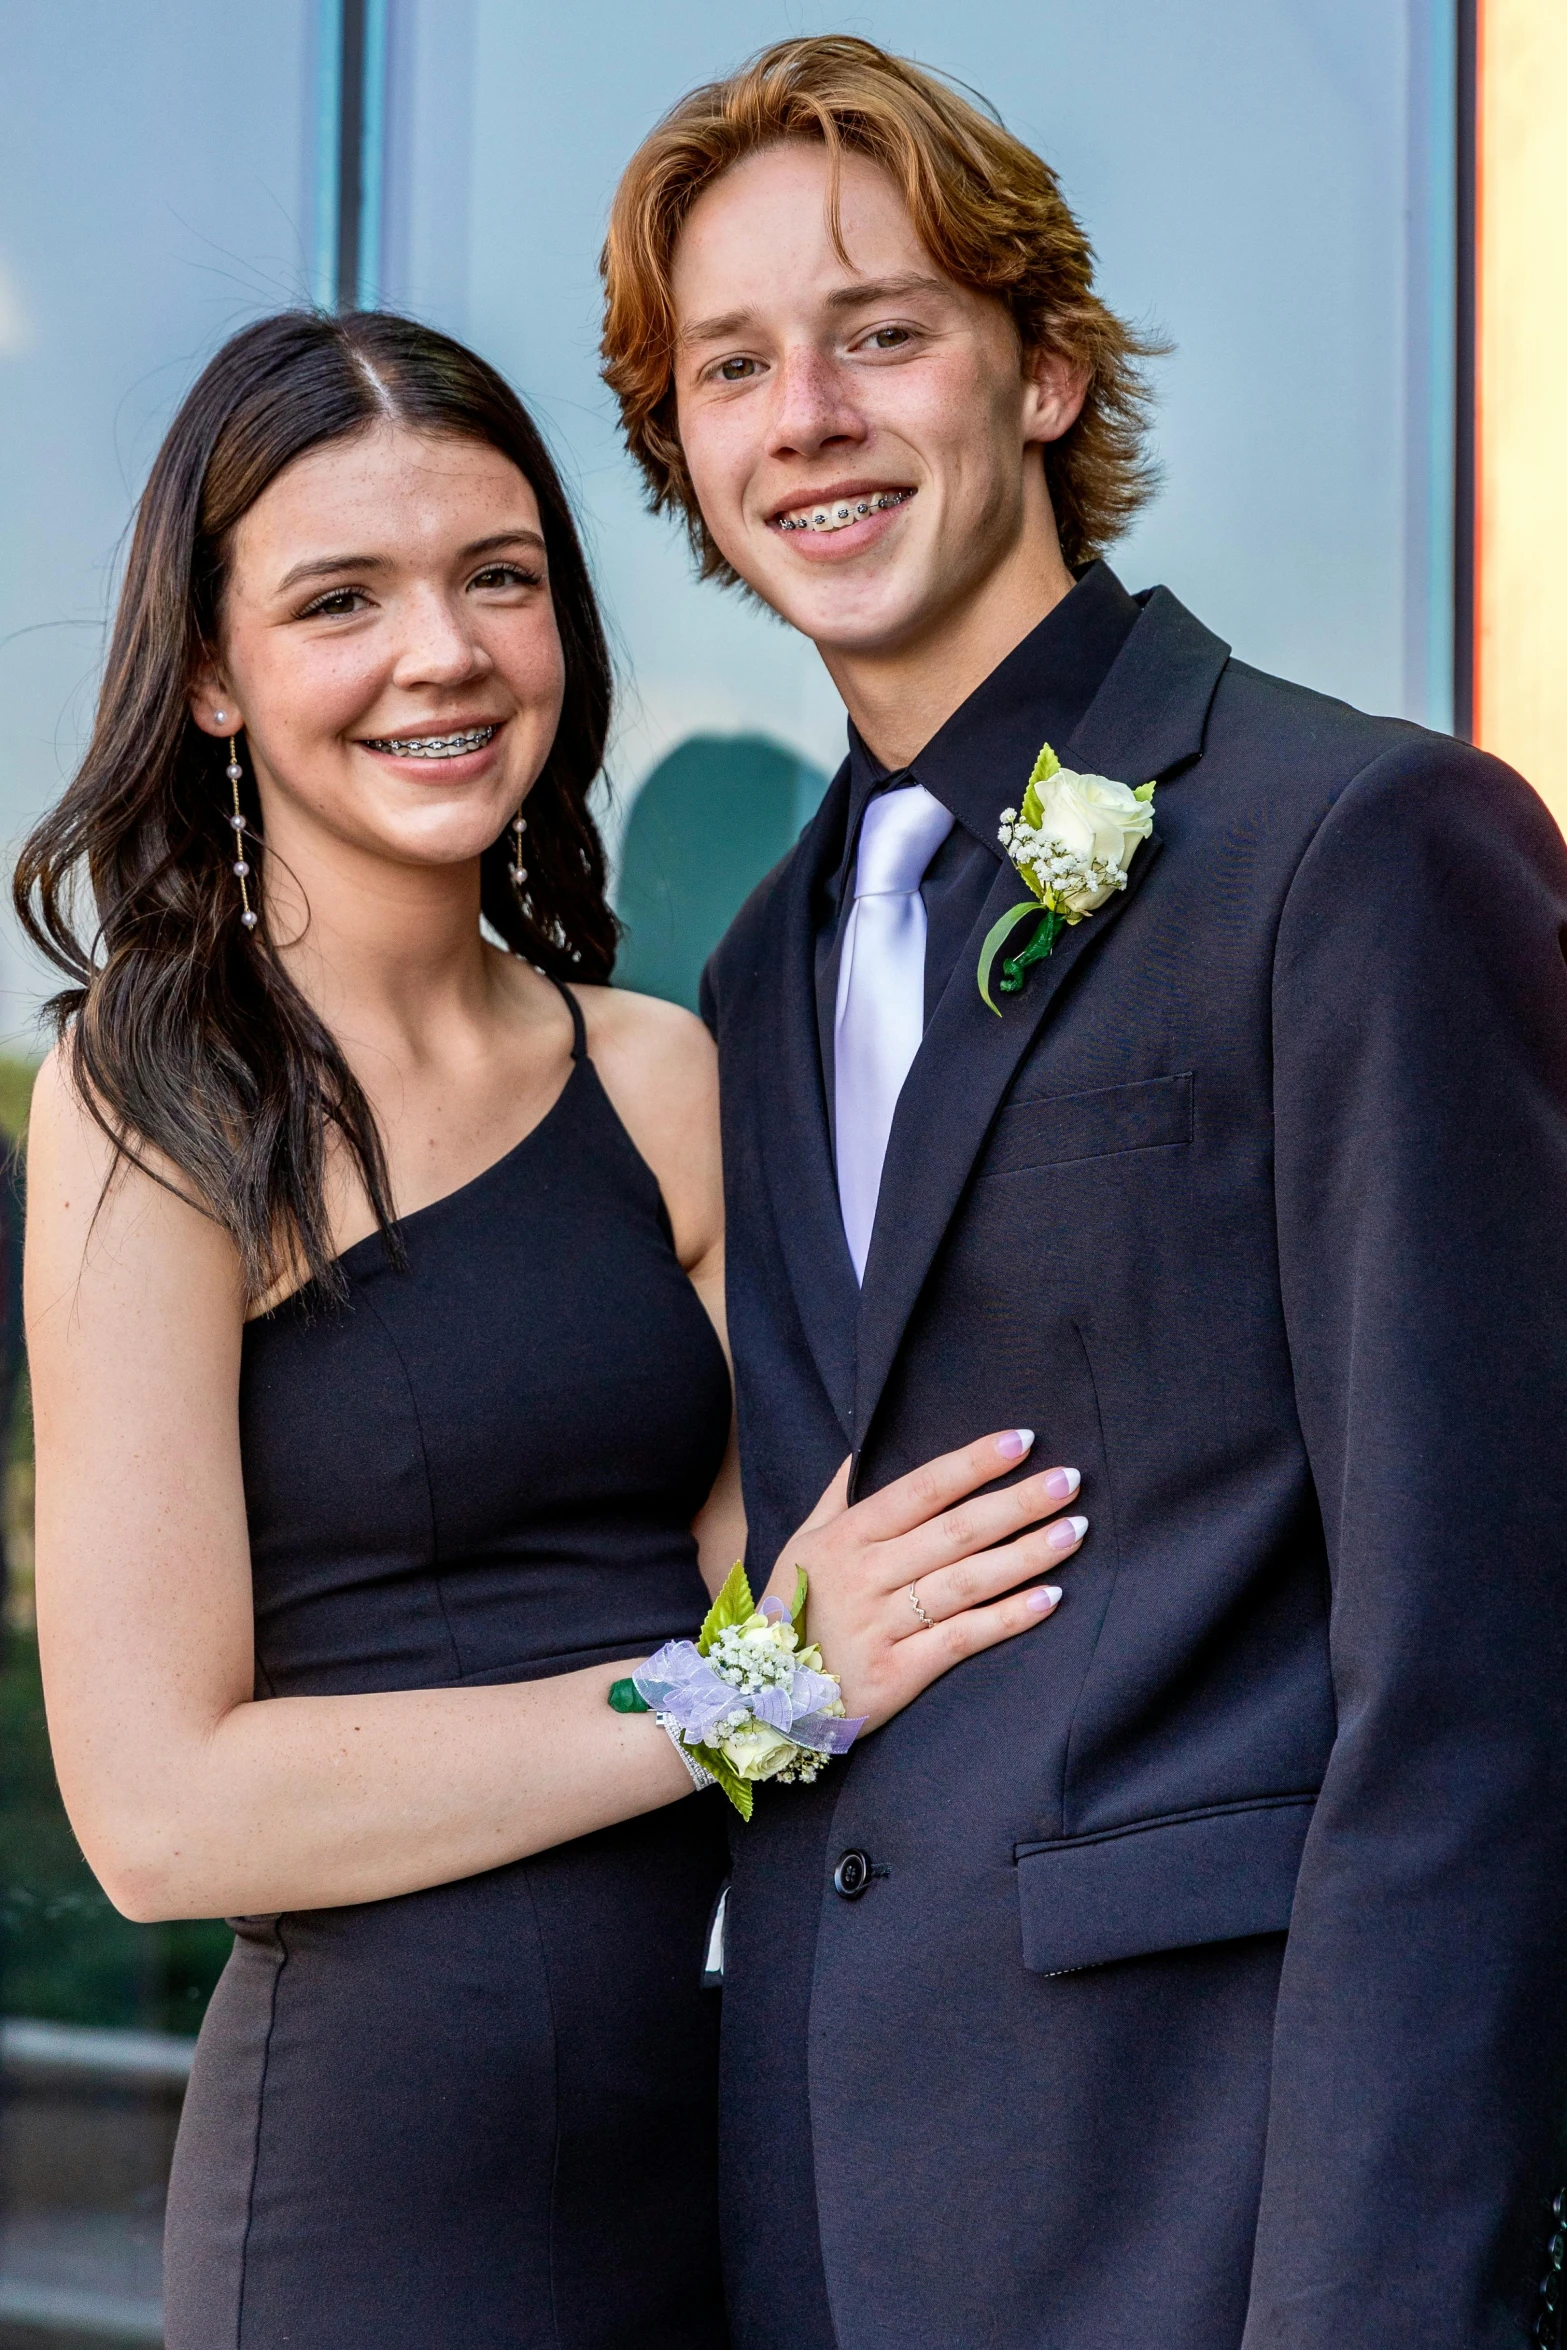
929,1622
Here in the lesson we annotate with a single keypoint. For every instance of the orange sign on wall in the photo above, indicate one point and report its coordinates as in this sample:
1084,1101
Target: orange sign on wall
1520,583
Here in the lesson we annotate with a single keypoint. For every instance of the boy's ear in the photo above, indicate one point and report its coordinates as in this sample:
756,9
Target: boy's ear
1055,388
211,703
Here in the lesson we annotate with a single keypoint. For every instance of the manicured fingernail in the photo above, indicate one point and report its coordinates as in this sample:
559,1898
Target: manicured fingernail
1061,1484
1015,1443
1067,1533
1044,1598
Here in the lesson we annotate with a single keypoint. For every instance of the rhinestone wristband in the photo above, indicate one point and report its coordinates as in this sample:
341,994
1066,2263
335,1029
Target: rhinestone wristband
700,1776
626,1698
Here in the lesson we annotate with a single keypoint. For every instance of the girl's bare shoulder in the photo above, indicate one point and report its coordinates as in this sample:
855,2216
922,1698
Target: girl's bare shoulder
658,1065
652,1047
103,1207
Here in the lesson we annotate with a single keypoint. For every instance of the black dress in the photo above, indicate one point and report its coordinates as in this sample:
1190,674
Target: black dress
481,2116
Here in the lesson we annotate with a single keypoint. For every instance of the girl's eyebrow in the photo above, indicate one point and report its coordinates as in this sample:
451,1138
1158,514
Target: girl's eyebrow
322,567
325,566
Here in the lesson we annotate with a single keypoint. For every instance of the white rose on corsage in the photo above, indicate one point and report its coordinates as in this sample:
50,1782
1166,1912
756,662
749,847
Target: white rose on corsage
1071,841
747,1699
760,1752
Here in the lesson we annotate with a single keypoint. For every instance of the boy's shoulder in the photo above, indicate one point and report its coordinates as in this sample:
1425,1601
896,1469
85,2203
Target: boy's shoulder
1296,757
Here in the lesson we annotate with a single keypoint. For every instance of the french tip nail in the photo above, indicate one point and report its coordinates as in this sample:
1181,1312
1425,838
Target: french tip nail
1079,1526
1015,1443
1044,1597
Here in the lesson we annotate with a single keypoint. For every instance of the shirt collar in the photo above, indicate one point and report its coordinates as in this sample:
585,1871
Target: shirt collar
979,761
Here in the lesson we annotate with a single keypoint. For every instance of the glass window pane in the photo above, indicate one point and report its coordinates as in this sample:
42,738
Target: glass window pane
156,189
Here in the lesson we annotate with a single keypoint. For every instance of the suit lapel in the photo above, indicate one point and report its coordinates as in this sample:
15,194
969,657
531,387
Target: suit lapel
1146,720
793,1139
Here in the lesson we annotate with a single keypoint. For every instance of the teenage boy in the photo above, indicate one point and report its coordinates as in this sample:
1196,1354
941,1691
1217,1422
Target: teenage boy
1190,1971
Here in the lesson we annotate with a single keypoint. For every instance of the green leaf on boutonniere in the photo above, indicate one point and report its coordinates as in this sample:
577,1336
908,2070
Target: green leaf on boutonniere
995,939
737,1789
1145,792
1033,808
732,1606
800,1589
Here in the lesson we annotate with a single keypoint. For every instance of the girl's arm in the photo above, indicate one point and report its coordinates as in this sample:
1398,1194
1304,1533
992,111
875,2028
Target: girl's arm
189,1797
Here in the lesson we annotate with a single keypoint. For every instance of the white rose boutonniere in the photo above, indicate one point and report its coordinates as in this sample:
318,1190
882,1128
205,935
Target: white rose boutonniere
1071,841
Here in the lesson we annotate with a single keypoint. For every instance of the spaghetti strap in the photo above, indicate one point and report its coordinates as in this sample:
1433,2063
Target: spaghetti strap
579,1032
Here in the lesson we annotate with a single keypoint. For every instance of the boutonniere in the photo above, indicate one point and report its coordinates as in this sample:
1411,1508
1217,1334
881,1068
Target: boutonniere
1072,842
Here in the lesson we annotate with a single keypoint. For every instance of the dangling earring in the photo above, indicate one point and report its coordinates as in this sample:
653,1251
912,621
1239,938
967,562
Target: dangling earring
237,820
519,871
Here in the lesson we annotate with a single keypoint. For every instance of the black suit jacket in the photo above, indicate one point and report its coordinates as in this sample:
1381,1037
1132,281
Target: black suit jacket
1254,1205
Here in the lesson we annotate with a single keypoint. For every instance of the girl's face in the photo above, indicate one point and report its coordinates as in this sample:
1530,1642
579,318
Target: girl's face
389,647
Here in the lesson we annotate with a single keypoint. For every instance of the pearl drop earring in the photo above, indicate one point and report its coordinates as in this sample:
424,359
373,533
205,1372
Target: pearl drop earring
237,821
519,871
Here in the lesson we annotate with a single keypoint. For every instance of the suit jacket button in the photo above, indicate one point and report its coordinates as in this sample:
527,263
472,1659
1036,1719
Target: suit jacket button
852,1875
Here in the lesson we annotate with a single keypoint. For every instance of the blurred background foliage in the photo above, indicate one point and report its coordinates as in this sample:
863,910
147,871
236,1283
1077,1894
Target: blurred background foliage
66,1955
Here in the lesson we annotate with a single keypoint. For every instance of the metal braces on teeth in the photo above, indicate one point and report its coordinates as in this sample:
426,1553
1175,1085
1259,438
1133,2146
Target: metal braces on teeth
433,746
840,515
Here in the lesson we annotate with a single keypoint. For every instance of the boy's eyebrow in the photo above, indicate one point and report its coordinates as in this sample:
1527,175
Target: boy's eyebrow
858,296
719,329
885,289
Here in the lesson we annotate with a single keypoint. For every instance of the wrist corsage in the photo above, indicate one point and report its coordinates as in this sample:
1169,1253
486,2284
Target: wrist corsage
744,1700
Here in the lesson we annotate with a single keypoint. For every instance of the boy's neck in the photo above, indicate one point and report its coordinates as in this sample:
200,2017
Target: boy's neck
899,696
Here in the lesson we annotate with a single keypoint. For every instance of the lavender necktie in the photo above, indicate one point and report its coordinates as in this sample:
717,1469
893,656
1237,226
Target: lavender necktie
881,994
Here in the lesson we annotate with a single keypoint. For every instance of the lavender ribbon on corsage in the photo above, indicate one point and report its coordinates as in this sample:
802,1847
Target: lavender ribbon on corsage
745,1699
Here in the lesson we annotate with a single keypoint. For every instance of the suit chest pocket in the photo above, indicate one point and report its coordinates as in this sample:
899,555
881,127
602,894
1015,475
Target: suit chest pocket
1155,1114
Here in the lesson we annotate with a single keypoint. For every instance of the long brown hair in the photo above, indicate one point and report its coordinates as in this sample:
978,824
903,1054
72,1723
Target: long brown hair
186,1035
988,210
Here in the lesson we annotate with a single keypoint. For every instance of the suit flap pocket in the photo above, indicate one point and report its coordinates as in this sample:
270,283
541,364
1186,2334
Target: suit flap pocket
1209,1876
1144,1117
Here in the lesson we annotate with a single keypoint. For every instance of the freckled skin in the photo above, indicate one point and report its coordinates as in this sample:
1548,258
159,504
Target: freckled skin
800,373
427,636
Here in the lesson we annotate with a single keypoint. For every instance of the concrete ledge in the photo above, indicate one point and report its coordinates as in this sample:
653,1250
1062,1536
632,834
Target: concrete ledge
152,2060
87,2123
63,2319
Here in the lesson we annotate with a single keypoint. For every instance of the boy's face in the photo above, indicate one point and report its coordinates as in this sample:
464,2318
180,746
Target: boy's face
873,396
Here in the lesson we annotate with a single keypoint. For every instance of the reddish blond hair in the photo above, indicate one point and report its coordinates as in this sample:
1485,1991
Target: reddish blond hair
989,211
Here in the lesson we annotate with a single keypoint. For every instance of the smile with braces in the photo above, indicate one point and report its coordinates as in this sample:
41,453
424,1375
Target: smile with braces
839,513
432,746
